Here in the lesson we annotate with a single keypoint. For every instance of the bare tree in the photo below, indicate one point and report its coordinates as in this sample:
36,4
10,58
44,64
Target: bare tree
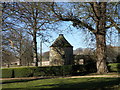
7,57
30,16
27,55
96,17
19,43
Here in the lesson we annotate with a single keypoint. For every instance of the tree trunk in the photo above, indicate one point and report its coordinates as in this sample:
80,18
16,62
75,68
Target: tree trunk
41,52
101,54
20,52
8,65
35,49
20,57
101,39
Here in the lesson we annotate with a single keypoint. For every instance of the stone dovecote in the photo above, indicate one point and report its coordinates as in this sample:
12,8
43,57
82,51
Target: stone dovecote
61,52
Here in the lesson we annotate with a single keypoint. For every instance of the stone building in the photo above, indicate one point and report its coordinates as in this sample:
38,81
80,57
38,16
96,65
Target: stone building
61,52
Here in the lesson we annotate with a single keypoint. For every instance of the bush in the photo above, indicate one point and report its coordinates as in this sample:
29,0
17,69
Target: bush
118,58
52,71
114,67
56,70
66,70
7,73
91,67
78,69
40,71
23,72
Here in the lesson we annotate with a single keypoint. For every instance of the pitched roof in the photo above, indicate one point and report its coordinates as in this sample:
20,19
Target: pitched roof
61,42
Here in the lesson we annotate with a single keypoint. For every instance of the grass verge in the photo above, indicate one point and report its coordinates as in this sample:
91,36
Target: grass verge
77,83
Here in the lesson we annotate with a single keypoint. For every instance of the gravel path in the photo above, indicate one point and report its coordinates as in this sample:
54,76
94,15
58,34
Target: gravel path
87,76
112,76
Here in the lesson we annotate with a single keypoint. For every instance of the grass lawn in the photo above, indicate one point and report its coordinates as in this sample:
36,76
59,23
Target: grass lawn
81,83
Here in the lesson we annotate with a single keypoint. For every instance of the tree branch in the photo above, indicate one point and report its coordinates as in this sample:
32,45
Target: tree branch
78,22
113,24
73,19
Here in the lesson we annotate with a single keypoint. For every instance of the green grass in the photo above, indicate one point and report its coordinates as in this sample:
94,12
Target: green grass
81,83
114,67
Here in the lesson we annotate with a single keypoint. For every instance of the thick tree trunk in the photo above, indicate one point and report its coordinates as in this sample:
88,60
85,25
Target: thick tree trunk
35,49
101,54
101,39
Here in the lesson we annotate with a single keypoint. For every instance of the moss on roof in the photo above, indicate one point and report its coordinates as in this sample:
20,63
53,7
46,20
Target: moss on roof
61,42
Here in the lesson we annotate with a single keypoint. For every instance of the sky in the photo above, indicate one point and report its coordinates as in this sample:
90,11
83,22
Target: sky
76,37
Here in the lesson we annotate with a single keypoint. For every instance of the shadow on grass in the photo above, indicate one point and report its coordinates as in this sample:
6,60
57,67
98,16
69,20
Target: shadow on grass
21,80
90,84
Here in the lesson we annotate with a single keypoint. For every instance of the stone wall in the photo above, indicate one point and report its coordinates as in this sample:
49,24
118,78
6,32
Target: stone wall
61,56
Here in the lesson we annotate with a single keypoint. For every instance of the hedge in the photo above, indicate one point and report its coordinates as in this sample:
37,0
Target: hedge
46,71
38,71
65,70
91,67
56,71
7,73
23,72
53,71
78,69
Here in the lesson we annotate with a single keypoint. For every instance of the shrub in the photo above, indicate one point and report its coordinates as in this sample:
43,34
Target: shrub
118,58
78,69
23,72
52,71
114,67
91,67
7,73
66,70
56,70
40,71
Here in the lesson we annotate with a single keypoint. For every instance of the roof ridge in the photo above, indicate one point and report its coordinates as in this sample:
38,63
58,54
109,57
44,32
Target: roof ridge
61,42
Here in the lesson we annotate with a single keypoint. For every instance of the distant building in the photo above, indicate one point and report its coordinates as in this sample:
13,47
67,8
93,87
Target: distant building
15,63
61,52
44,63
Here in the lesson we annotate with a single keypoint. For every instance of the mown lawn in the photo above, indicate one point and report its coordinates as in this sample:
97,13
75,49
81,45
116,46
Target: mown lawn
77,83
